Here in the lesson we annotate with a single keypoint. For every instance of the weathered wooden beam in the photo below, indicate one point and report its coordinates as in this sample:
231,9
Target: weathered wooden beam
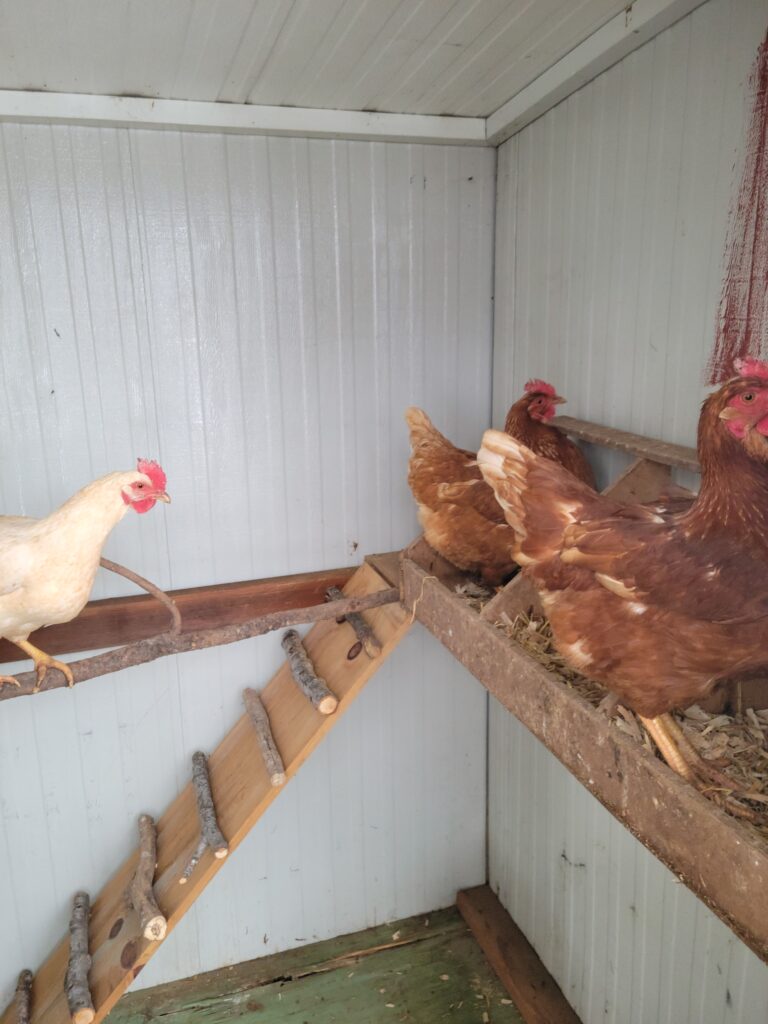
722,860
532,988
167,643
122,620
677,455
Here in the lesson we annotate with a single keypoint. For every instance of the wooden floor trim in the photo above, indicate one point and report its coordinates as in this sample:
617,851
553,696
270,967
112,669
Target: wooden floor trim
531,987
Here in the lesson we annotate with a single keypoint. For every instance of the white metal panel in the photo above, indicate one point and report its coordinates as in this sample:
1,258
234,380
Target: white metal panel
256,314
625,940
611,224
461,57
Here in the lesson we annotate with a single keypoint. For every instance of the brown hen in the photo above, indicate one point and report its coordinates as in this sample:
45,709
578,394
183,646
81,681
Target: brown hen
657,607
460,517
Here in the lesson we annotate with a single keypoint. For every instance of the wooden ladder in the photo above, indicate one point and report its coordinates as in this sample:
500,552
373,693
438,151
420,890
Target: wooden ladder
242,792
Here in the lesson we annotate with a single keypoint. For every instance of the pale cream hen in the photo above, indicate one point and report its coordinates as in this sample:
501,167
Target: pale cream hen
48,566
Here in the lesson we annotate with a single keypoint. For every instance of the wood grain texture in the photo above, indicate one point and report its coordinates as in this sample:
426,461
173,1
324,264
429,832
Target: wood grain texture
420,970
532,988
677,455
122,620
242,791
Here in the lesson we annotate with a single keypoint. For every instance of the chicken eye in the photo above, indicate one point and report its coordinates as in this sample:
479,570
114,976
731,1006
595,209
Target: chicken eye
139,485
748,397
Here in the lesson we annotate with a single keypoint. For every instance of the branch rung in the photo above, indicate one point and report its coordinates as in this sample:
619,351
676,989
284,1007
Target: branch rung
260,720
303,672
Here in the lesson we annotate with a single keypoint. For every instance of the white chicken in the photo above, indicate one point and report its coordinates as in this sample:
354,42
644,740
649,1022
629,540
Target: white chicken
47,566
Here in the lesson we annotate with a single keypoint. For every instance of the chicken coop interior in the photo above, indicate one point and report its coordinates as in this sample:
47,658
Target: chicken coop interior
385,687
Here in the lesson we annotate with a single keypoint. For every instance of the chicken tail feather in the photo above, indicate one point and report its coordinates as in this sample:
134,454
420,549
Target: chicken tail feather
421,428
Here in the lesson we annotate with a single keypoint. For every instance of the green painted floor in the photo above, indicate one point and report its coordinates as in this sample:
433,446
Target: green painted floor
422,970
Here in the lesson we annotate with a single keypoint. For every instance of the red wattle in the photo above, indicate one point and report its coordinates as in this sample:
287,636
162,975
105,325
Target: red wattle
762,426
737,428
142,506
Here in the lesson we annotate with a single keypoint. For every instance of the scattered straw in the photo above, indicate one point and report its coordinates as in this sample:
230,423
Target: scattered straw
421,594
738,744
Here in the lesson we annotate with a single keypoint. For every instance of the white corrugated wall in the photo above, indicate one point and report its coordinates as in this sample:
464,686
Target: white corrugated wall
611,221
256,314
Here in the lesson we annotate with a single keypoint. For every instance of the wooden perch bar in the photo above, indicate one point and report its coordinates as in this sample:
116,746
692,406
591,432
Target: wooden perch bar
76,980
260,719
363,631
303,672
723,861
166,643
23,997
124,620
141,893
211,836
677,455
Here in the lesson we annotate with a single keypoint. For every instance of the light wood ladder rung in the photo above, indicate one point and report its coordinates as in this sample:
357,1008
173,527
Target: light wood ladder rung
242,791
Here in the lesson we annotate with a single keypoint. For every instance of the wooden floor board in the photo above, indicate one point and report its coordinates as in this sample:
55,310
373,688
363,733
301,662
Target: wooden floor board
422,970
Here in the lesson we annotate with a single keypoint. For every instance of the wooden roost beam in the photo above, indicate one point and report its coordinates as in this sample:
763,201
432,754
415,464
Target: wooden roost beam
723,861
123,620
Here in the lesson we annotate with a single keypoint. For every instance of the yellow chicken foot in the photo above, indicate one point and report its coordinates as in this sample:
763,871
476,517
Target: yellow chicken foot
9,680
43,662
665,740
680,755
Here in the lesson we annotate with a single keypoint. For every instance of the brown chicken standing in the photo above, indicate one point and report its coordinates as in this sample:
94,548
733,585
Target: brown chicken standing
656,607
460,517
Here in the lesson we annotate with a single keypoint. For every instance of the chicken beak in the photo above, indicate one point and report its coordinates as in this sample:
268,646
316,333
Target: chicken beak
729,413
162,496
559,400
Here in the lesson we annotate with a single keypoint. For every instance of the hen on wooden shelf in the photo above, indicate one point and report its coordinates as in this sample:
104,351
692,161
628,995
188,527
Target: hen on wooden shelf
47,566
656,605
460,517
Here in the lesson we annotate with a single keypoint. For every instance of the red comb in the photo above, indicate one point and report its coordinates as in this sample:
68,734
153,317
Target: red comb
152,469
539,387
751,367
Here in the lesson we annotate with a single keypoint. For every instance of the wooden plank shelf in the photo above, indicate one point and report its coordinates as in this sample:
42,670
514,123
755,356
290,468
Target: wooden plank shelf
242,791
677,455
722,860
123,620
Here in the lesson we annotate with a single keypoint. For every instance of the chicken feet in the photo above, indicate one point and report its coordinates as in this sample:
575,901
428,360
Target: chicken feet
43,662
678,752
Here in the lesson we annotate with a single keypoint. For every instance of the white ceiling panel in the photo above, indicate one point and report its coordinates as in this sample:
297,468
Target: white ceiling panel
457,57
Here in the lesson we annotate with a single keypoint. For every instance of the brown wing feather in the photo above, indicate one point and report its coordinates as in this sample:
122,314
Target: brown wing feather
458,512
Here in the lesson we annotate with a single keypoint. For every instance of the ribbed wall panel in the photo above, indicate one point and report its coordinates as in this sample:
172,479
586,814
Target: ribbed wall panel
256,314
611,224
465,57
